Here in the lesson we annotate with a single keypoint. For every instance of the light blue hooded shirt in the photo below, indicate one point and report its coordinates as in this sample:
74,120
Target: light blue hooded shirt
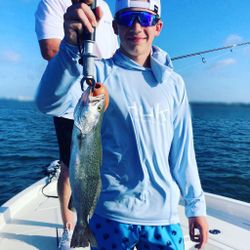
148,151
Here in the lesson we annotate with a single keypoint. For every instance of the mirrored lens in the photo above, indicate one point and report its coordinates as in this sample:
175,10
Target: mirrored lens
144,18
147,19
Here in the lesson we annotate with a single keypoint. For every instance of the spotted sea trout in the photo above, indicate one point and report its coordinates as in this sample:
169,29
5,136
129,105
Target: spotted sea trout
85,163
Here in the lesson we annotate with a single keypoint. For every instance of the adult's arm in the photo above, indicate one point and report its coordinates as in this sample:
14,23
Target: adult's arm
54,96
49,26
49,47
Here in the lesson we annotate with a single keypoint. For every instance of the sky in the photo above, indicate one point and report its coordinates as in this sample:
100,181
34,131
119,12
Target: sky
189,26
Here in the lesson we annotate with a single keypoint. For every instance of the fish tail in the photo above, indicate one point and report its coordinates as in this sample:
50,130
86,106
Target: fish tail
90,237
82,237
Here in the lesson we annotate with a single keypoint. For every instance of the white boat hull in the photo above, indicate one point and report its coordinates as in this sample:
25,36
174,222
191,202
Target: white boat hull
32,221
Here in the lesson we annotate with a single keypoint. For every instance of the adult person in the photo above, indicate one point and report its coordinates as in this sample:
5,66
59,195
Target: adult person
50,32
148,151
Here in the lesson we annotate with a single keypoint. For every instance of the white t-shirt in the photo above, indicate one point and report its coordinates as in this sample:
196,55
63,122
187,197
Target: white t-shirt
49,24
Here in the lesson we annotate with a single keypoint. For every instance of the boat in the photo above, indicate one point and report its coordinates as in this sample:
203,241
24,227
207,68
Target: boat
31,219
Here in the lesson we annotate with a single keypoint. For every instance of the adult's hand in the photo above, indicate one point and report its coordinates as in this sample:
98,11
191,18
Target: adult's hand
78,18
198,224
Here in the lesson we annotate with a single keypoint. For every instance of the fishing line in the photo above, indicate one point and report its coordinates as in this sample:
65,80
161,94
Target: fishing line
53,171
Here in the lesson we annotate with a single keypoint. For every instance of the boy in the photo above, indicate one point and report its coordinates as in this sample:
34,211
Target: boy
148,153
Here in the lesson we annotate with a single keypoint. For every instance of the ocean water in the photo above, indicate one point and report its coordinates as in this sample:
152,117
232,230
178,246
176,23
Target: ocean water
221,136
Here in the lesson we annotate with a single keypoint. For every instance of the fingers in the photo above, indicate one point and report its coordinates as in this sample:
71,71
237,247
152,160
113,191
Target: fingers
98,13
88,2
80,18
194,235
73,31
82,14
198,231
203,238
191,231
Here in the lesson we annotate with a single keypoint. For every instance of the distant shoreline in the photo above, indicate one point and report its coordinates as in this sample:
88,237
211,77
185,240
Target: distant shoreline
219,103
191,102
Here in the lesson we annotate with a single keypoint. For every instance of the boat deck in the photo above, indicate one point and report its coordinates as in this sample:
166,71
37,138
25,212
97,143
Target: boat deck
32,221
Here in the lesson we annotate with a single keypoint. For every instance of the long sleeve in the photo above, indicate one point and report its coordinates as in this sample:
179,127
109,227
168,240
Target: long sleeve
60,83
182,159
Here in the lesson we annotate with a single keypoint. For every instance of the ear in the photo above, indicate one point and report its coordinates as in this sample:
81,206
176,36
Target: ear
115,28
158,27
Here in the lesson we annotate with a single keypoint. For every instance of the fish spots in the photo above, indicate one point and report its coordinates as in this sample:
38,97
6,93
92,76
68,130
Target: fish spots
85,163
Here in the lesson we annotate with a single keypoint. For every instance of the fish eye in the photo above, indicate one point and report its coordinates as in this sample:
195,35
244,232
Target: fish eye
99,108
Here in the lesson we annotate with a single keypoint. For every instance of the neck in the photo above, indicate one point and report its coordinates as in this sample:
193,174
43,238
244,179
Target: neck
143,59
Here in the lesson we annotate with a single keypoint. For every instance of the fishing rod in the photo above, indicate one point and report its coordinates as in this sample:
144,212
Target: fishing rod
209,51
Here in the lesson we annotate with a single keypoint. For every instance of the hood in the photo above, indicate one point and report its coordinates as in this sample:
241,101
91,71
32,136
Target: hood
160,62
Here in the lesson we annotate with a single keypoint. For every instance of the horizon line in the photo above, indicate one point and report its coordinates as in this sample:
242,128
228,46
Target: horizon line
29,99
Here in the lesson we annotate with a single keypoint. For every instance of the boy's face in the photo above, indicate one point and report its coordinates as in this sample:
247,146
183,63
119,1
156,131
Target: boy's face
137,40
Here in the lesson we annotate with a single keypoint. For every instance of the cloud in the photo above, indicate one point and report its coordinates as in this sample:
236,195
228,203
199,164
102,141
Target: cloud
233,39
10,56
223,64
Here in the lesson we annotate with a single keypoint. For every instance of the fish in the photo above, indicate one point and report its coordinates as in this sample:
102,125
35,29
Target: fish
85,163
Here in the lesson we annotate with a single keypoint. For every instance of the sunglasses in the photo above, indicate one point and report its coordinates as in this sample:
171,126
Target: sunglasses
145,19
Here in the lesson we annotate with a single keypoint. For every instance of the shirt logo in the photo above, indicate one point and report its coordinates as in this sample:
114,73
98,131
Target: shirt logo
156,113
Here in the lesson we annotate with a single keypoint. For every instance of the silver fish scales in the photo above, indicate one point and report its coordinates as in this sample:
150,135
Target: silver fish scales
85,162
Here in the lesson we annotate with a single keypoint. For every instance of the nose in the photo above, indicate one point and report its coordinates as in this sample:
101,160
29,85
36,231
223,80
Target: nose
136,25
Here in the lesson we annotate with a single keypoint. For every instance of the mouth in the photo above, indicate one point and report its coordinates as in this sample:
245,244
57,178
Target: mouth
136,39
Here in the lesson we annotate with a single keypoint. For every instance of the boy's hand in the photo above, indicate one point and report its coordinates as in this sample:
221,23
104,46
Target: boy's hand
200,224
78,18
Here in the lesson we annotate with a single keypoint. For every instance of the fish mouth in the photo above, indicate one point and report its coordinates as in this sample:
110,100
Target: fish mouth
97,99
